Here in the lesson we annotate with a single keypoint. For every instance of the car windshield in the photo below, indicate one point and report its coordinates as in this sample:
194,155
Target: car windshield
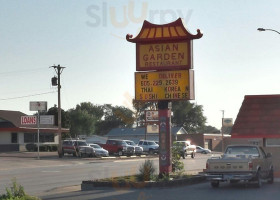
130,143
123,143
82,143
96,146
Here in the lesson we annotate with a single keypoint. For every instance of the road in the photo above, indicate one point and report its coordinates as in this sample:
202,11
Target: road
53,178
45,176
202,191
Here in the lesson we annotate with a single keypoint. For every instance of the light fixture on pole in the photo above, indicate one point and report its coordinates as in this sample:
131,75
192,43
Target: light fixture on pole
267,29
58,69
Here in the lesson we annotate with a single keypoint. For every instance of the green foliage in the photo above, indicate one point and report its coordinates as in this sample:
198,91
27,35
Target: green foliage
64,116
114,117
82,122
146,171
16,192
31,147
140,108
177,165
208,129
188,115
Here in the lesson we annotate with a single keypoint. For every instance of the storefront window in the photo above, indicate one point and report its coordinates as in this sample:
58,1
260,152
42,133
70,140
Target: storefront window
44,137
272,142
14,138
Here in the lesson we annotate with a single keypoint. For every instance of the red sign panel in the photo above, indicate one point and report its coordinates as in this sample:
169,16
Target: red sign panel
28,120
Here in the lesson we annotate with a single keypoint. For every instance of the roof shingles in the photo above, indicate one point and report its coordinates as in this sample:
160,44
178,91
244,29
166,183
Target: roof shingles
258,117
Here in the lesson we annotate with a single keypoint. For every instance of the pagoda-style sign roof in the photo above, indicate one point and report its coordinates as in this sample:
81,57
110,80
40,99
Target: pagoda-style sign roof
258,117
174,31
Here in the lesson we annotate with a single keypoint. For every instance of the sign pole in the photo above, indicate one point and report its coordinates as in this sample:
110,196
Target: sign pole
165,156
38,134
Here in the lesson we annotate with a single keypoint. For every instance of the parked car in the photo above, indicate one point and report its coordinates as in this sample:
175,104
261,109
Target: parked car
249,163
200,149
86,151
73,146
99,151
149,146
186,148
119,147
137,149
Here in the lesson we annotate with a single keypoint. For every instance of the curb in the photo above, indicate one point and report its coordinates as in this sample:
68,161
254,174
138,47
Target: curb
91,185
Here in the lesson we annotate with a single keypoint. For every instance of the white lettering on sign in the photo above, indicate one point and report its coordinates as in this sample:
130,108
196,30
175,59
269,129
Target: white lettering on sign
28,120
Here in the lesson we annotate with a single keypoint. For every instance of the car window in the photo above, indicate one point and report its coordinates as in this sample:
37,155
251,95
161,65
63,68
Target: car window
242,150
145,143
140,143
151,143
82,143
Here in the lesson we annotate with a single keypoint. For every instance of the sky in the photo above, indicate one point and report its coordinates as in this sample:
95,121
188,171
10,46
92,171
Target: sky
231,60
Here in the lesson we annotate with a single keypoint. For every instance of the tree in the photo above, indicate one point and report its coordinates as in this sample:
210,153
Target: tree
115,117
140,108
209,129
64,117
92,109
84,117
82,123
188,115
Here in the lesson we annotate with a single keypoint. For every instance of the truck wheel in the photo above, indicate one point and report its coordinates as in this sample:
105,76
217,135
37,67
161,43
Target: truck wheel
215,184
270,177
120,153
258,180
151,152
193,154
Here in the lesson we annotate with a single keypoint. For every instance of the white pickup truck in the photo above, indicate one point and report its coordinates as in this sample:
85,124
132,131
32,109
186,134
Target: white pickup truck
247,163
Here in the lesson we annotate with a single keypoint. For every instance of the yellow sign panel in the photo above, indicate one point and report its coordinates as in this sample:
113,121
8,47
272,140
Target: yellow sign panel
164,85
163,56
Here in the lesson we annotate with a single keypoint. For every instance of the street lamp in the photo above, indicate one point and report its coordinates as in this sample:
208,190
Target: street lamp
267,29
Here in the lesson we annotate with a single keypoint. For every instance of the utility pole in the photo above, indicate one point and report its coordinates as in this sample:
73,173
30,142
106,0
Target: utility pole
58,69
223,113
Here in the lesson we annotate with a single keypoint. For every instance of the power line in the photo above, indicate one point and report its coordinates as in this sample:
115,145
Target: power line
21,71
31,95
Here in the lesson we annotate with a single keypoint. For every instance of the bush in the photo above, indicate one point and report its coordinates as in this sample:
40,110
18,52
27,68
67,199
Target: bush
177,165
43,148
147,171
31,147
16,192
54,148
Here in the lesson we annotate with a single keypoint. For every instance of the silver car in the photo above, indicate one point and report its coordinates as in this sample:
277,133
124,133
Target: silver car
99,151
200,149
149,146
137,149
